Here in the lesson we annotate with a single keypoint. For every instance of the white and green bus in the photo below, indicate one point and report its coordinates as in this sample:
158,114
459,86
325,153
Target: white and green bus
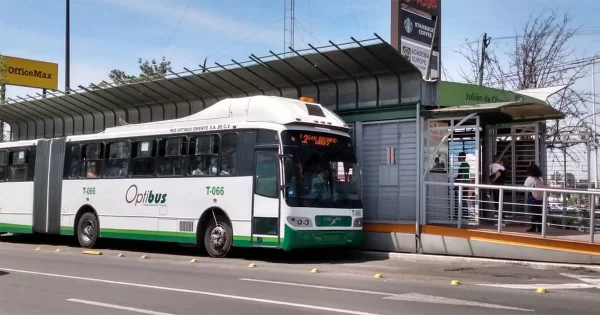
259,171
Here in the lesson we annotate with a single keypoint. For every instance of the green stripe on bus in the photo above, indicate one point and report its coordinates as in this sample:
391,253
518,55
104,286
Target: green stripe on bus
145,235
16,228
244,241
176,237
67,230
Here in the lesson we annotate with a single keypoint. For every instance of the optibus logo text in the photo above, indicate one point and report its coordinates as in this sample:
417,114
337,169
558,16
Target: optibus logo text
146,197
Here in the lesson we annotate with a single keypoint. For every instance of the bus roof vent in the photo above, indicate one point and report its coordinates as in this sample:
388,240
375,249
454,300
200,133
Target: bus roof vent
314,110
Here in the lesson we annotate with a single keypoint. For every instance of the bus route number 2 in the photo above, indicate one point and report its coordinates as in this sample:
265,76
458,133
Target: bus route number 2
215,190
89,190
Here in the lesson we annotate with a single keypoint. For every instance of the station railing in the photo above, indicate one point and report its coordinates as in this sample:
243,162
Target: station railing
569,214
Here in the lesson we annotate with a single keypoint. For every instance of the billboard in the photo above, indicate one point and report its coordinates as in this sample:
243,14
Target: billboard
416,30
31,73
431,7
418,55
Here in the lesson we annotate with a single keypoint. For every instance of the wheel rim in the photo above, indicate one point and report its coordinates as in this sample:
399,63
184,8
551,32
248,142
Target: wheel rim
218,237
87,231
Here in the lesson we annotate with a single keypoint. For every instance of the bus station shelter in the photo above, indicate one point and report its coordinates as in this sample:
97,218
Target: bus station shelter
392,111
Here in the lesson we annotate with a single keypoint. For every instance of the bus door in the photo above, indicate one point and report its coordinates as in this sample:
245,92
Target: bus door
266,208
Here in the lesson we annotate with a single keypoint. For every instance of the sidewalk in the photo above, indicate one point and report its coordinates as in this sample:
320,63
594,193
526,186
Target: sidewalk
450,260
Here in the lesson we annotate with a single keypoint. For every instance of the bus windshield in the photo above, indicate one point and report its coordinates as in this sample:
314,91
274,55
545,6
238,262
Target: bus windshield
320,171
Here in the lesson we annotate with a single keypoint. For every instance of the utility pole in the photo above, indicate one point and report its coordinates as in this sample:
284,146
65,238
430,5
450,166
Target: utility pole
595,120
485,43
68,46
289,19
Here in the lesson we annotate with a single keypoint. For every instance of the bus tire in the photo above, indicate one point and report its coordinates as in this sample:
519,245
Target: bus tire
87,230
218,237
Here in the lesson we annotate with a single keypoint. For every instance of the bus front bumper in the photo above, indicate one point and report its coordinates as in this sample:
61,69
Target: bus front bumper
296,239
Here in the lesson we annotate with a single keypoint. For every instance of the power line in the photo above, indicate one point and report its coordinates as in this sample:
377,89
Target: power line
594,30
187,7
246,37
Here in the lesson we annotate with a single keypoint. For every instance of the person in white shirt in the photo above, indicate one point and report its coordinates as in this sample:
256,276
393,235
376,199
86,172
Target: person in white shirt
497,177
535,206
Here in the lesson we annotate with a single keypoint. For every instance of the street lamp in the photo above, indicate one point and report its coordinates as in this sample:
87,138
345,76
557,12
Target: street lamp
67,46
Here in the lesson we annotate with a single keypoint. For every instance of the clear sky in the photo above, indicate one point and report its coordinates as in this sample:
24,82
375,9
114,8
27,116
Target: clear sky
108,34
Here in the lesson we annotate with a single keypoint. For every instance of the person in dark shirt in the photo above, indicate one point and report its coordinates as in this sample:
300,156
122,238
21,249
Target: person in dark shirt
463,178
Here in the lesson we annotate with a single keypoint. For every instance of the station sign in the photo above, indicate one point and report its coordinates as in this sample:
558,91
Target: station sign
30,73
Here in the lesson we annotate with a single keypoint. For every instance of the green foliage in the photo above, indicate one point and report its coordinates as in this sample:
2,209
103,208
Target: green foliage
149,70
3,79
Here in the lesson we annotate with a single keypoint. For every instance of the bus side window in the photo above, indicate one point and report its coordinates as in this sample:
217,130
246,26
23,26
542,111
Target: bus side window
143,158
229,158
246,154
3,164
117,164
92,160
18,165
266,174
171,156
204,156
72,168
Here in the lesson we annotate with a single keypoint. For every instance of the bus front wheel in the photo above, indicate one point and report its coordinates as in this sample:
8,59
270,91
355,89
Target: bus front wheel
87,230
218,237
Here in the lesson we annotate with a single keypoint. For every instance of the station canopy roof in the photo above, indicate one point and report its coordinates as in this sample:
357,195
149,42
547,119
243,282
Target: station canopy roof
500,112
274,74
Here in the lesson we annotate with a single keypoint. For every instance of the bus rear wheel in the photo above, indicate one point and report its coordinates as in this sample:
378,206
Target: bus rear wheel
218,237
87,230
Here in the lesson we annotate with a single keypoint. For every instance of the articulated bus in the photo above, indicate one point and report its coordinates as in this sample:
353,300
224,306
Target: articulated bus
259,171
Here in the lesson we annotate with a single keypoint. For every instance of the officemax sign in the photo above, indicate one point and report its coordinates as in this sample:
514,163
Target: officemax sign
31,73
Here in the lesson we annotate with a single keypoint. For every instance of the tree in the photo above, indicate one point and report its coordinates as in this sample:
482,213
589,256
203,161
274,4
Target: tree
149,70
571,181
542,56
556,176
3,79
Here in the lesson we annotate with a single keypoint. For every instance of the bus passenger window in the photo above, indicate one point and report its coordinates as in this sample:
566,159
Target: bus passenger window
18,165
266,174
144,158
229,154
92,160
117,165
72,168
204,156
171,156
3,164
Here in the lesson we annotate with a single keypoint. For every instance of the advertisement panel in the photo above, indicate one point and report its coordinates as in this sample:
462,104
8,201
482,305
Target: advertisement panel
428,6
417,28
31,73
418,55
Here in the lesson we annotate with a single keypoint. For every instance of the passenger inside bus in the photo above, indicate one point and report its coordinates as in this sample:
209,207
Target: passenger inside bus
91,170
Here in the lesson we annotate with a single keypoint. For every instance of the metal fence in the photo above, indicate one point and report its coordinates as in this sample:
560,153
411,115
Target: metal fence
484,207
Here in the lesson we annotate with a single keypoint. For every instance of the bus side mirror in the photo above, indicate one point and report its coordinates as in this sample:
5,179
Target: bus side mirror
288,169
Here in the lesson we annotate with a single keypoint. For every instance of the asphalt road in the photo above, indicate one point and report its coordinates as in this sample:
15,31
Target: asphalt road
47,281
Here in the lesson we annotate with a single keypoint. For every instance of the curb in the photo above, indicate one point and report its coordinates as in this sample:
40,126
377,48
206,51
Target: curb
476,261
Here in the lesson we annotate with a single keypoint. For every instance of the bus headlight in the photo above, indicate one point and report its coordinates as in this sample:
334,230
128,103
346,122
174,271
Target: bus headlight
357,222
299,221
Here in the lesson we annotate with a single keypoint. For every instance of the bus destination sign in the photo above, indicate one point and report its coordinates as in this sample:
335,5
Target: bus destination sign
322,141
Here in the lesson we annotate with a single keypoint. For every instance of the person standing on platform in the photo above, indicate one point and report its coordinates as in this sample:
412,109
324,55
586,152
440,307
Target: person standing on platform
497,177
463,178
534,200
